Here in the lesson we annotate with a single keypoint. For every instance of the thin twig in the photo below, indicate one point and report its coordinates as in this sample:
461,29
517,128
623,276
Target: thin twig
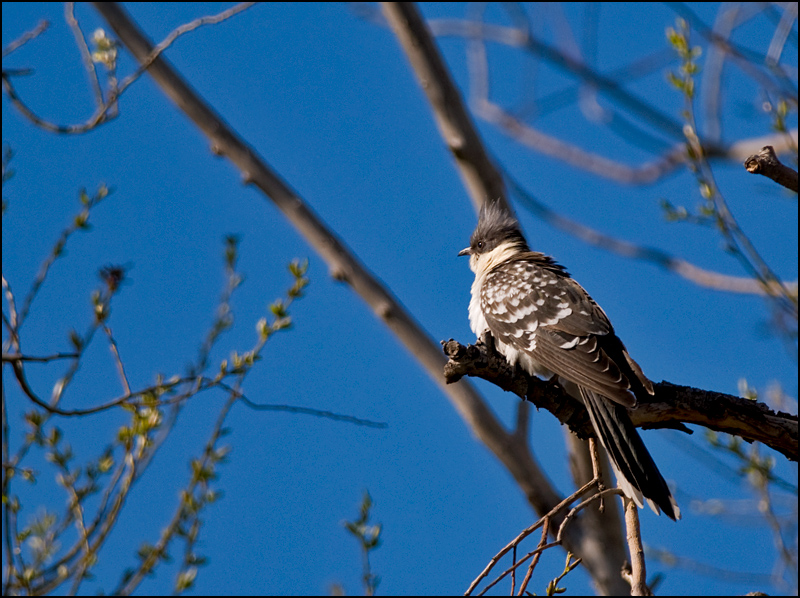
528,531
120,368
598,496
86,55
12,322
514,572
713,70
26,37
535,559
569,566
315,412
537,551
562,530
7,357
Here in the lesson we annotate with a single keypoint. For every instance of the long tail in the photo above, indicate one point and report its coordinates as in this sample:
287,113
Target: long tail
636,471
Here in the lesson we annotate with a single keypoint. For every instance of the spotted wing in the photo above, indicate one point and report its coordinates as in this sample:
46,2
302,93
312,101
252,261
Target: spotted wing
542,313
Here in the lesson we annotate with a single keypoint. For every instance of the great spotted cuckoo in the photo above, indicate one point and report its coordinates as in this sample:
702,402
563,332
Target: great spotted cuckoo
545,322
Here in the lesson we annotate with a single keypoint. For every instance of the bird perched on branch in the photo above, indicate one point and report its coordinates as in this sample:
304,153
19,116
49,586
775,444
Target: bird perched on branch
545,322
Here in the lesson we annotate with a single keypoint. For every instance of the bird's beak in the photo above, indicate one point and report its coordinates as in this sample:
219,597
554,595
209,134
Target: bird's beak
465,251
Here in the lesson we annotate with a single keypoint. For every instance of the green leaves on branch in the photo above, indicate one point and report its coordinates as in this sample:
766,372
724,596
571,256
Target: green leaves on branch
552,587
82,219
369,537
684,78
279,307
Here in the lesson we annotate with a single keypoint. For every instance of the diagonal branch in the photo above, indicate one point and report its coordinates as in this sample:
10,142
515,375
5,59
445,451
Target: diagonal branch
480,176
26,37
344,265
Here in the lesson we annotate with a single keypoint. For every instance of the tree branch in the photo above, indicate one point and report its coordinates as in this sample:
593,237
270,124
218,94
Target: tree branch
766,163
673,406
683,268
638,571
480,176
344,265
26,37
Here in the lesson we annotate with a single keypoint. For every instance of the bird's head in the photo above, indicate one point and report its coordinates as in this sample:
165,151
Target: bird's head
496,238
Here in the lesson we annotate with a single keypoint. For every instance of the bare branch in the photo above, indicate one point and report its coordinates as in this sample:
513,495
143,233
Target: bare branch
343,264
26,37
86,55
479,174
638,574
535,559
671,407
684,269
117,360
191,26
100,116
556,515
601,165
525,533
766,163
45,359
782,33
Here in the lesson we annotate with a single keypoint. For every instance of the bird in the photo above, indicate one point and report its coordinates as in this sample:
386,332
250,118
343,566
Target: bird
540,319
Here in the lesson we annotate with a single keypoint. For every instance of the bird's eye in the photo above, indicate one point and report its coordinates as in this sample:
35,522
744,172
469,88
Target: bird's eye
480,245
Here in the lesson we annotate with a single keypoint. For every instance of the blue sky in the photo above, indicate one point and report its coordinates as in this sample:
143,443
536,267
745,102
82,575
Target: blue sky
328,99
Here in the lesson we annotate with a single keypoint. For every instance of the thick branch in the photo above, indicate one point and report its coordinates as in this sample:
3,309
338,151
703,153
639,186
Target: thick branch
673,406
766,163
480,176
343,264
